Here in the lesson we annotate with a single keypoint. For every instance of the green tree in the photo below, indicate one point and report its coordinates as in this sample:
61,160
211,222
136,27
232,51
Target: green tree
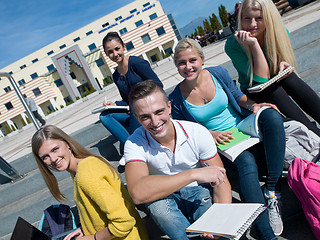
196,32
207,25
223,15
215,24
201,31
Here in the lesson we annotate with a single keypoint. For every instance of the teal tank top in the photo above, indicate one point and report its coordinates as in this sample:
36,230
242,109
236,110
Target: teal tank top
218,114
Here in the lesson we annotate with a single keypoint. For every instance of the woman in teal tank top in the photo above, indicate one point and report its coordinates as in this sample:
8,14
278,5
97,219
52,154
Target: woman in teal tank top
210,97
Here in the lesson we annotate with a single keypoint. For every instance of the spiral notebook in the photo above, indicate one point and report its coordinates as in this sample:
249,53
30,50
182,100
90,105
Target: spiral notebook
227,220
263,86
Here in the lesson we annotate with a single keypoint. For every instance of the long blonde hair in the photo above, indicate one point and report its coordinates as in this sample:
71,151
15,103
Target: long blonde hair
276,39
53,132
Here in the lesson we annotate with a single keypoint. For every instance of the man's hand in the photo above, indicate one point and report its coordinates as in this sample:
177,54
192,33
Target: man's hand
211,174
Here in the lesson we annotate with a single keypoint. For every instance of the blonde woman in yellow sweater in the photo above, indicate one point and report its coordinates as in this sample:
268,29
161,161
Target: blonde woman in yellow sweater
105,208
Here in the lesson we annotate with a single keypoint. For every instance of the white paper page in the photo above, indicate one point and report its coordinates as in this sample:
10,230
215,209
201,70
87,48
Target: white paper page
224,219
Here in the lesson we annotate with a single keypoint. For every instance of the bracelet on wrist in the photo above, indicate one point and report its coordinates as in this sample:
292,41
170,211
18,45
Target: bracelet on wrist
250,109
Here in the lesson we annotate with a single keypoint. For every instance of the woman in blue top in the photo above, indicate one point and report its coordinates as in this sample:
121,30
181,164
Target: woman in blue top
260,50
130,70
210,97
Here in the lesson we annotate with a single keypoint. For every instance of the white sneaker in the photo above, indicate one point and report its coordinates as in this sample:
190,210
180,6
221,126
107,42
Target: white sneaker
274,213
122,161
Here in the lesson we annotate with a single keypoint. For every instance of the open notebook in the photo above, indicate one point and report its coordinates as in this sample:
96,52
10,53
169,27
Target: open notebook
262,86
227,220
102,108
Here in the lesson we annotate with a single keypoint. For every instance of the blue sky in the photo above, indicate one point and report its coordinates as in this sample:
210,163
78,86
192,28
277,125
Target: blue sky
27,26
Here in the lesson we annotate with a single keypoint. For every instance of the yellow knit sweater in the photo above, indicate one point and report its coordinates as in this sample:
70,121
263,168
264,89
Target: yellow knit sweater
103,201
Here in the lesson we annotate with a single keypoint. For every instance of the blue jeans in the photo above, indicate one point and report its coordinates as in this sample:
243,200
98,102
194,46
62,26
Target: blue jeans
176,212
116,122
270,155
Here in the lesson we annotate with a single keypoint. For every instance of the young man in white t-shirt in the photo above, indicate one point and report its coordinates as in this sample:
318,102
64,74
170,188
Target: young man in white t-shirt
164,160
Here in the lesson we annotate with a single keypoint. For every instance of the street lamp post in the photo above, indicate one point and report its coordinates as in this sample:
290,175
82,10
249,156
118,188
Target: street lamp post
6,167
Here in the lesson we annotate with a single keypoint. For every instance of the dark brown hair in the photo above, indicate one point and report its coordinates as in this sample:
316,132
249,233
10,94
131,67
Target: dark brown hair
111,36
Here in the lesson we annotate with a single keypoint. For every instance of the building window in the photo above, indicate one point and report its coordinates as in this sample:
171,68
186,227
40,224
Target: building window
105,24
76,39
35,60
92,47
118,18
62,46
123,31
160,31
50,68
153,16
8,105
146,38
34,75
36,92
133,11
58,82
68,99
88,33
72,75
169,50
146,4
23,66
49,53
129,46
50,108
139,23
7,89
154,58
21,82
100,62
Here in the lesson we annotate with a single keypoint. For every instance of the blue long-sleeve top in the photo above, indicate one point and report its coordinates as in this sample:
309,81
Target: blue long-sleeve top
179,109
138,70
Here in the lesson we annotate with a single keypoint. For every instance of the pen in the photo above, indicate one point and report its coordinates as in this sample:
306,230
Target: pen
207,165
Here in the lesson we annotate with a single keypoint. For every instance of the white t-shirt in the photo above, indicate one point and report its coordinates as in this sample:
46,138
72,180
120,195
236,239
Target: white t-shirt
194,143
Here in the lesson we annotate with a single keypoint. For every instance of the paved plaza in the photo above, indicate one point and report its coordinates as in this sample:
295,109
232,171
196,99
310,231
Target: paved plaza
29,196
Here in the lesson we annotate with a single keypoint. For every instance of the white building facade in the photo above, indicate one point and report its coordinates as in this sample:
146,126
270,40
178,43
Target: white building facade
75,65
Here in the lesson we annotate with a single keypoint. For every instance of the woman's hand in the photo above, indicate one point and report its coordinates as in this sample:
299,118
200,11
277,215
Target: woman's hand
108,103
220,137
282,66
76,234
257,106
245,38
210,236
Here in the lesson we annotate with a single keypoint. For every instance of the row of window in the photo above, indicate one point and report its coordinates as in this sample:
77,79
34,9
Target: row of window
131,12
36,93
146,38
124,30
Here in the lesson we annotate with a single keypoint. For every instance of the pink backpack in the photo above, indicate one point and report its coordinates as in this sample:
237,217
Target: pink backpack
304,180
